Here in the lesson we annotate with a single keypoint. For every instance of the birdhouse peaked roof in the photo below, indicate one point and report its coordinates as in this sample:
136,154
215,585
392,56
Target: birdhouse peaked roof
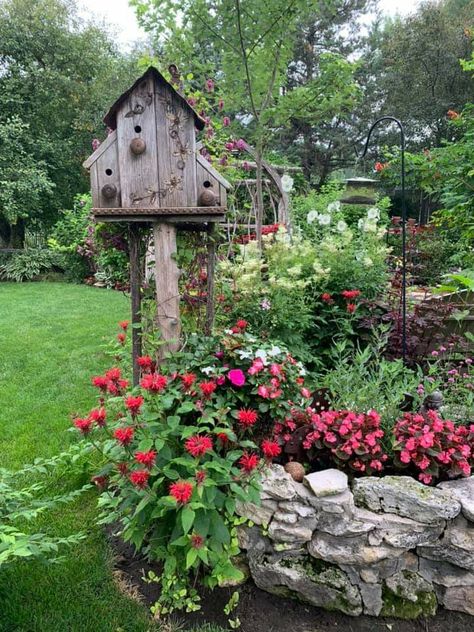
110,118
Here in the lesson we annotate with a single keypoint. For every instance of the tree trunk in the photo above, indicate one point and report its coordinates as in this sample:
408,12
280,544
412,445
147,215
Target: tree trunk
259,179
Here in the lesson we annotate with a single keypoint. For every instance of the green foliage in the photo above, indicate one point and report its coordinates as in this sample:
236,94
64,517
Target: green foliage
364,380
30,264
59,74
23,501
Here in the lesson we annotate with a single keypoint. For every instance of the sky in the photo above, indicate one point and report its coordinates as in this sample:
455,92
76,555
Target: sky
121,17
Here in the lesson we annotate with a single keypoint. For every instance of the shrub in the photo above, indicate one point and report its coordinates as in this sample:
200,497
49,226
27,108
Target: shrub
185,447
31,263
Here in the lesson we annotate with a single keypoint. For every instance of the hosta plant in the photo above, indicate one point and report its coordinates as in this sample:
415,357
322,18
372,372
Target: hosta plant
185,446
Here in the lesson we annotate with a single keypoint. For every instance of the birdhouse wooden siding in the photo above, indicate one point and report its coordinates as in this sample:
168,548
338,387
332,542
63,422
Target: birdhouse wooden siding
149,166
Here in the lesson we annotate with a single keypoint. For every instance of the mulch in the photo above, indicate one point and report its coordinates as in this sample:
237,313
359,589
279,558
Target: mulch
260,611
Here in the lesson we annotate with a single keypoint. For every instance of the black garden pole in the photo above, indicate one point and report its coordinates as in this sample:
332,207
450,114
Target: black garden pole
392,119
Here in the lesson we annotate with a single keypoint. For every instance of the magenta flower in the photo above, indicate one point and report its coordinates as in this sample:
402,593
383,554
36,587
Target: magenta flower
236,377
240,144
210,85
226,121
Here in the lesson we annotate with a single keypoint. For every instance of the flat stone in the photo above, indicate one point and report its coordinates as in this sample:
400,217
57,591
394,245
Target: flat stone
459,598
282,532
338,504
398,531
327,483
303,511
342,525
349,551
372,598
463,491
251,539
278,484
326,587
403,496
287,518
259,514
445,574
446,553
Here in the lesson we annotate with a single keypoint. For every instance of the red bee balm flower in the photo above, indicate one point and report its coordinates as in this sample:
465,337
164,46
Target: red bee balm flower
241,324
84,425
247,417
121,337
124,324
139,478
200,477
187,379
248,462
326,298
154,382
124,435
145,362
114,374
100,381
197,446
182,491
98,415
351,308
134,404
236,377
270,449
207,388
146,458
350,294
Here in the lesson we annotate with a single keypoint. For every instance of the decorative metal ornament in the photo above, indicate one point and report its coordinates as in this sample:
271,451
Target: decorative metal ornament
360,191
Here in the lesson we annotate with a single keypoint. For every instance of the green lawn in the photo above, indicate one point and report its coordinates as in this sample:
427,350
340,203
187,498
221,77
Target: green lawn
50,337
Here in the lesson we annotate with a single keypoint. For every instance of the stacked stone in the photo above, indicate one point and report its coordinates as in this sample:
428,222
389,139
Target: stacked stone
390,546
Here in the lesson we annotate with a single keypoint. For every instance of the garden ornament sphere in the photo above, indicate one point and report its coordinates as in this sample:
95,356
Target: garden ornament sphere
433,401
207,197
295,470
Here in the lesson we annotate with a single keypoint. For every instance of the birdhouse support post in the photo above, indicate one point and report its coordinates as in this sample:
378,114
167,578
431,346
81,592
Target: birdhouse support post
167,291
135,294
211,264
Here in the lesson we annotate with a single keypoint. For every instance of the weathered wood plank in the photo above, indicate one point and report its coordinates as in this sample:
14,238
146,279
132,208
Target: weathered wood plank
108,174
104,145
190,210
138,173
167,292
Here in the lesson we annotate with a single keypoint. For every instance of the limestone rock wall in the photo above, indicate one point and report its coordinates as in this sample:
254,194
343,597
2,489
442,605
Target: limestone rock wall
389,546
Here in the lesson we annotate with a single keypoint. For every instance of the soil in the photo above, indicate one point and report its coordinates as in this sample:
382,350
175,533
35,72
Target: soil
260,611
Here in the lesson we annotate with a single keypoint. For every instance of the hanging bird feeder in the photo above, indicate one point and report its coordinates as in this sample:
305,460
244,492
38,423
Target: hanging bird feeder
361,191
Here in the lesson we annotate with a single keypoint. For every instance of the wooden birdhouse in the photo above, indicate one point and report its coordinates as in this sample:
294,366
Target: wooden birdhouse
148,167
149,171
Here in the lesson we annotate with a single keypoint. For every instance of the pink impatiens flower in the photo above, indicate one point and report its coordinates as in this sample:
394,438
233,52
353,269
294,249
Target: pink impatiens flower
236,377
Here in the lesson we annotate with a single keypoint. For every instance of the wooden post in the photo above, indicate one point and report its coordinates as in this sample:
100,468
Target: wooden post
211,264
136,296
167,291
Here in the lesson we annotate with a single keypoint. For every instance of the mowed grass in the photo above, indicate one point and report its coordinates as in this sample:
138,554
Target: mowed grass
50,338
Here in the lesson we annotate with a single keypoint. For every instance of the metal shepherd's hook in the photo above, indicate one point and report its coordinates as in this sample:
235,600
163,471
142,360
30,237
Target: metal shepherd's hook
392,119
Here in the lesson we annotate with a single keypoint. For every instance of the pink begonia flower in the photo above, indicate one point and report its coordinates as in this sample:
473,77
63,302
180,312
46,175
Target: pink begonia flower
236,377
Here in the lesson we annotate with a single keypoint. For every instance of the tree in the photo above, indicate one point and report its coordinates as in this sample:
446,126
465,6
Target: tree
58,75
418,71
24,182
252,44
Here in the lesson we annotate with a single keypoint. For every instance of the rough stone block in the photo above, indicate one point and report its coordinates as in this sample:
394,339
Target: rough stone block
259,514
282,532
405,497
349,551
278,484
320,585
463,491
